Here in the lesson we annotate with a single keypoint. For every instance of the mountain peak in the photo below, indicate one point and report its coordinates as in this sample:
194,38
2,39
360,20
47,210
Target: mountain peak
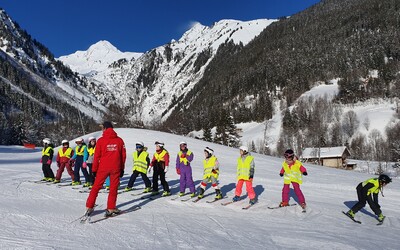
103,45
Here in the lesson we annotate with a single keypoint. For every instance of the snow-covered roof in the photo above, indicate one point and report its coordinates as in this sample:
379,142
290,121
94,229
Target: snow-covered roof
325,152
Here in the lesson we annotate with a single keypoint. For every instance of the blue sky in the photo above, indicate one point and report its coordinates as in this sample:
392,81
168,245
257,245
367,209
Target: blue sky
65,26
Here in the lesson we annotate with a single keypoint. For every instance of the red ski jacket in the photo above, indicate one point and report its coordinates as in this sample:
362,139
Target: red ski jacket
110,154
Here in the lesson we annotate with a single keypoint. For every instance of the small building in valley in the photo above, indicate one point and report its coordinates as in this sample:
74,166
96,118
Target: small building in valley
335,157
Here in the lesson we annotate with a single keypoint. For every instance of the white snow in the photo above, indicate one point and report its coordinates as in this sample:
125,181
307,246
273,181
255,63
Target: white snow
39,216
97,58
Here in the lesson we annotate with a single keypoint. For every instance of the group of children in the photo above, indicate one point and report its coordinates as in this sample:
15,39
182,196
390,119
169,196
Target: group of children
292,170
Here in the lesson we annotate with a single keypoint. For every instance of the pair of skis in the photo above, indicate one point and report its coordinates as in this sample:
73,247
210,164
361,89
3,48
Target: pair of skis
87,217
359,222
244,208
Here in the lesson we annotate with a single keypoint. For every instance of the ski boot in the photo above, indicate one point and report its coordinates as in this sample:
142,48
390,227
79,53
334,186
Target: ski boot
201,193
236,198
193,195
218,195
303,205
166,193
147,190
76,183
350,213
154,193
253,201
181,194
127,189
284,204
56,181
381,217
112,212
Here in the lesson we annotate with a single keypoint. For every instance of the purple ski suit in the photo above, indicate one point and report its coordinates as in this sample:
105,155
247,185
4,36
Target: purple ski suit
183,168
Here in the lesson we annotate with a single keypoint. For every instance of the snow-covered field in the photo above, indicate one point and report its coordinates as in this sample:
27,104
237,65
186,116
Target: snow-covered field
40,216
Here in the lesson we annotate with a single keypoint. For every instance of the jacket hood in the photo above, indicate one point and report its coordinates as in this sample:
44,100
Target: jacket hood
109,133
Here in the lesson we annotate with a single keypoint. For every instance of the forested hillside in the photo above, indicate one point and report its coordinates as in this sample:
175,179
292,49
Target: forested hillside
32,105
345,39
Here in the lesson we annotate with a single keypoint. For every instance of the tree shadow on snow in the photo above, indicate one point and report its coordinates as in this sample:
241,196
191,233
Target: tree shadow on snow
350,204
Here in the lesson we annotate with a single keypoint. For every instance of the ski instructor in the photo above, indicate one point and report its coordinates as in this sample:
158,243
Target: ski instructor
109,160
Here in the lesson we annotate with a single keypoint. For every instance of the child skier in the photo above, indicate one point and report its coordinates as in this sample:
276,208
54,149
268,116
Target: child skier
368,191
245,174
292,172
47,157
211,173
63,157
160,163
183,168
141,162
89,162
80,157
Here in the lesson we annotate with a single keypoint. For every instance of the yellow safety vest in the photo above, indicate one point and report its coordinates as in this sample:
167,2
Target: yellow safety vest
80,151
160,156
209,164
67,152
46,151
243,168
293,173
375,188
91,151
140,162
184,160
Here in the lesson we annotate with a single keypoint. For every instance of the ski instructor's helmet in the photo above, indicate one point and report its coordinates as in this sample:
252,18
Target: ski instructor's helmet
384,179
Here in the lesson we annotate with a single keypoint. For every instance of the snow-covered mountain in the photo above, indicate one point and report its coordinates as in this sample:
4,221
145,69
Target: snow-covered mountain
152,85
97,58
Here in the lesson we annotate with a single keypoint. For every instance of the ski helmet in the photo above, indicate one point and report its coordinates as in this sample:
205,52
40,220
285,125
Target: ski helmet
182,143
91,138
209,151
245,149
385,179
65,142
79,140
289,153
160,144
140,144
46,141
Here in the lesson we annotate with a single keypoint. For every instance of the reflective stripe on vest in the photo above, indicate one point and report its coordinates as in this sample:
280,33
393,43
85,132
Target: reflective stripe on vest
184,160
80,150
46,151
91,151
140,162
67,152
160,156
293,173
375,188
243,168
208,167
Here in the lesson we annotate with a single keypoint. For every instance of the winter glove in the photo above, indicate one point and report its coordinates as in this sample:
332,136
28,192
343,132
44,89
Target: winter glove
41,160
214,171
183,155
121,173
178,171
305,173
58,164
149,170
48,162
251,179
166,169
281,174
94,174
84,165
